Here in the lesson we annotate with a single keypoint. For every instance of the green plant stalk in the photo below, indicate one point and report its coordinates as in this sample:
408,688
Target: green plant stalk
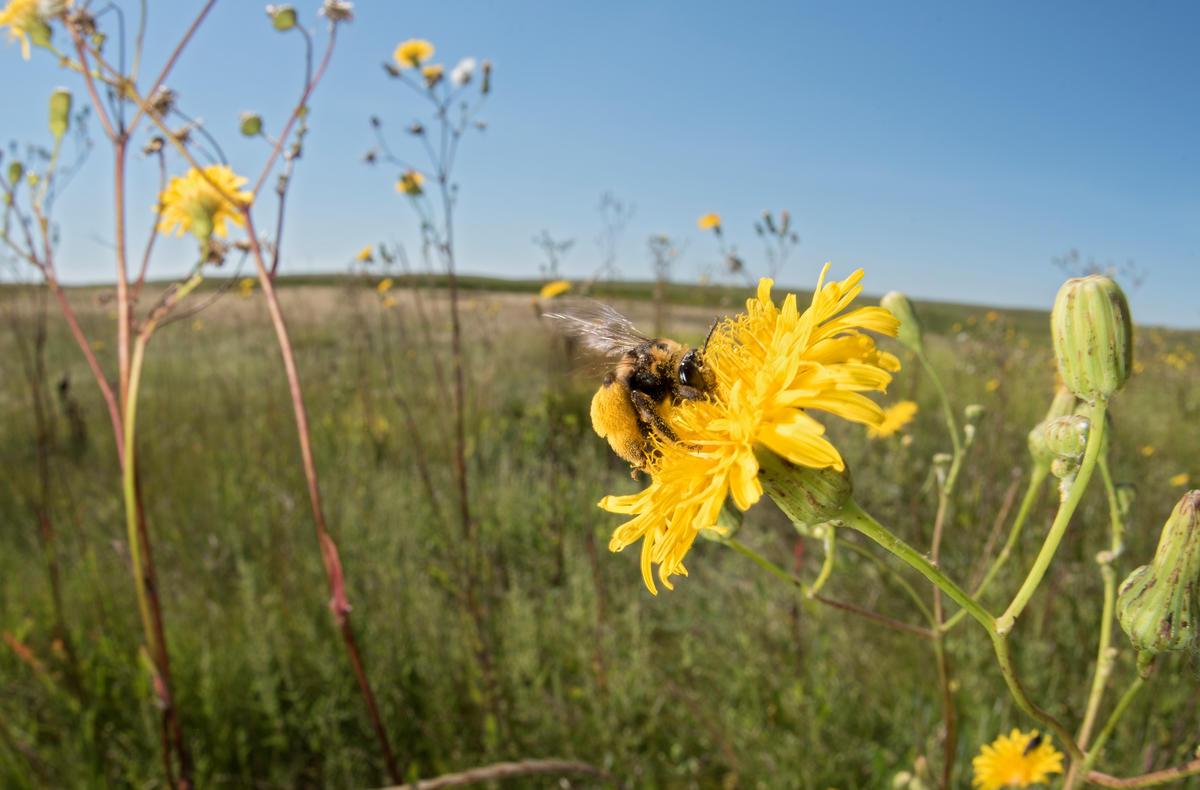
1033,492
895,575
1114,717
947,410
129,490
1009,670
1096,415
829,540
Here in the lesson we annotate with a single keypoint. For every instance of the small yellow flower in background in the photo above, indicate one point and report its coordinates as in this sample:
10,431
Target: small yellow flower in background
1180,480
991,316
554,288
24,21
412,53
771,366
246,287
389,302
1139,366
709,221
992,385
894,418
385,285
1146,450
411,183
190,204
433,74
365,255
1016,760
956,327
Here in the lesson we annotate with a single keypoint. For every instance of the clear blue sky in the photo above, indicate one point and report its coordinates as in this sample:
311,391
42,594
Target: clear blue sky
950,148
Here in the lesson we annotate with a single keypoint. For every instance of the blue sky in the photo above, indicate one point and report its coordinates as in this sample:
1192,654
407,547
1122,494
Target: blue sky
952,149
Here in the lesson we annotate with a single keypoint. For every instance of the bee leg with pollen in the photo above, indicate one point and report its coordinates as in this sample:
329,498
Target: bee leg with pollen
647,411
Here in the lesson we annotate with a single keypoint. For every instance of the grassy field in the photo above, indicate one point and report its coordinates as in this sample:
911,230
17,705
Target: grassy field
731,680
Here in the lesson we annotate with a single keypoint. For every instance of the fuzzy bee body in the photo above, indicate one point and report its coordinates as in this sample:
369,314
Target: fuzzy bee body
649,375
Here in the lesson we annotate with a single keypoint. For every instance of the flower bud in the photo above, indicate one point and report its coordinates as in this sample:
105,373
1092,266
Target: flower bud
1093,336
1157,604
909,333
1066,436
251,124
283,17
1064,468
973,413
806,495
60,112
485,86
15,171
1062,405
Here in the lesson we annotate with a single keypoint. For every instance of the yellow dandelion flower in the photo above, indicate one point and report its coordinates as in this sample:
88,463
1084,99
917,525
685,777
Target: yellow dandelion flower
1180,479
991,316
412,53
24,21
385,285
1146,450
992,385
411,183
1016,760
246,287
433,74
365,255
554,288
190,204
709,221
771,365
894,418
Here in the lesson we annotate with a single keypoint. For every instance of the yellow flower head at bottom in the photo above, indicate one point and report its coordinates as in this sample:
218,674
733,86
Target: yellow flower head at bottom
770,365
191,204
894,418
23,18
1015,760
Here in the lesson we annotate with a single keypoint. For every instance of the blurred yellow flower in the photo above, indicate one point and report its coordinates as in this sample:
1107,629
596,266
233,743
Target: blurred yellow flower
991,316
1146,450
411,183
24,20
1016,760
770,365
385,285
246,287
1180,480
190,203
389,301
433,74
554,288
992,385
709,221
412,53
365,255
894,418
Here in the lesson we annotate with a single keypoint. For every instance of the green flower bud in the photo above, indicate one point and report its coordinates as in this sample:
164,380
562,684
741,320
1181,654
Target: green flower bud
1093,336
909,333
60,112
39,32
806,495
973,413
1066,436
283,17
1081,411
15,171
1157,604
1062,405
251,124
1064,468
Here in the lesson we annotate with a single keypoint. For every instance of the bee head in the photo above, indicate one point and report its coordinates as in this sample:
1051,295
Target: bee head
692,372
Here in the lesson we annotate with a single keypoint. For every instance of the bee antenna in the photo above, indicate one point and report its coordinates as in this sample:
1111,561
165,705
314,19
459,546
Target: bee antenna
708,337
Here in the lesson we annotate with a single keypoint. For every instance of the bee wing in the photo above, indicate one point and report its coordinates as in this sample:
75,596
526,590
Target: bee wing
601,328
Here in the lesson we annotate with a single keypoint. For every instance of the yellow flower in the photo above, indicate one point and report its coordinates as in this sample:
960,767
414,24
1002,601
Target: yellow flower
365,255
1146,450
1014,760
992,385
246,287
385,285
389,302
894,418
991,316
553,289
1180,480
709,221
410,183
433,74
24,21
771,365
412,53
190,204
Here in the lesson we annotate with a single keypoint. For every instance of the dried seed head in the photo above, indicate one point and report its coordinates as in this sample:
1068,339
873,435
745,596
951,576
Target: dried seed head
1093,336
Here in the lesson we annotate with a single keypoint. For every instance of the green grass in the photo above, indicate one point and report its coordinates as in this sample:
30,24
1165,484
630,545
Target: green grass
728,680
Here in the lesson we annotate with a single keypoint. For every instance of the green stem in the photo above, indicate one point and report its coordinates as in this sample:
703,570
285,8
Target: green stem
1117,524
947,409
1037,478
829,540
1009,670
857,518
894,574
129,489
1114,717
1096,417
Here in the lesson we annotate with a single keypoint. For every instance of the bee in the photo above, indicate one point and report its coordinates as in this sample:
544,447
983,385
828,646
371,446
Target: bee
650,375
